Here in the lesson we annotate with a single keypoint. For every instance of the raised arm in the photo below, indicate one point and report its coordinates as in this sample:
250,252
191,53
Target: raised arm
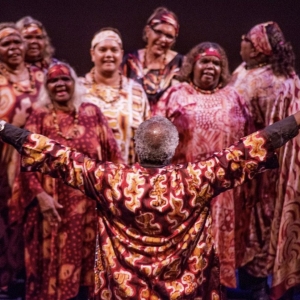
242,161
49,157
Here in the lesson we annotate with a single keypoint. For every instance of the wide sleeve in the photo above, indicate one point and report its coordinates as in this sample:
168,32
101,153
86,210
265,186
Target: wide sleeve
242,161
30,181
76,170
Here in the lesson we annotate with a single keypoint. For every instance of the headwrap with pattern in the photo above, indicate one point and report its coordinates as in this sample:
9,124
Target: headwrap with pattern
259,37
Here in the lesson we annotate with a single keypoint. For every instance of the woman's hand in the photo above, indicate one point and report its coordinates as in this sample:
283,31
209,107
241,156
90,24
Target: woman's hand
49,208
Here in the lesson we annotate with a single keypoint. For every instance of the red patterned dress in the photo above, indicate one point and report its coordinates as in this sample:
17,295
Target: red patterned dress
16,102
155,229
261,89
61,259
208,123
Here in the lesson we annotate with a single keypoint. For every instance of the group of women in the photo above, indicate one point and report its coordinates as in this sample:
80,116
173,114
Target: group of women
51,229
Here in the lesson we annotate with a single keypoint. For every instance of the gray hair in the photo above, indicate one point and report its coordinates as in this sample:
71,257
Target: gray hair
156,140
77,98
49,50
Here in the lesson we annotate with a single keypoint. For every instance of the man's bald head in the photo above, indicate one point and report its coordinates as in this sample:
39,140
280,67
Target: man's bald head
155,141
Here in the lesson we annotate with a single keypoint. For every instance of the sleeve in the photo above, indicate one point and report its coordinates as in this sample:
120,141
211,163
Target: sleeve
76,170
31,181
242,161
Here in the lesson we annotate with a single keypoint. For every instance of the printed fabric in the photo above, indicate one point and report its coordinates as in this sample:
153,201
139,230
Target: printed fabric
60,259
15,107
155,237
208,123
124,110
153,82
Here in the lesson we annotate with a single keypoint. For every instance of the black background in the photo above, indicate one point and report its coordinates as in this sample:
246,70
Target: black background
72,23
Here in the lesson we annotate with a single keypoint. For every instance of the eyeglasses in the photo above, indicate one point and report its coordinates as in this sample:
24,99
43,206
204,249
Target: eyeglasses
169,37
244,38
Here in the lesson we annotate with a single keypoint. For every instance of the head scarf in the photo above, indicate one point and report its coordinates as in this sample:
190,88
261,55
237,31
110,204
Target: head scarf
32,29
58,69
209,52
8,31
106,35
259,37
165,18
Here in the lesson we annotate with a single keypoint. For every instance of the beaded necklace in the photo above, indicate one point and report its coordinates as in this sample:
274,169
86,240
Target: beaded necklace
205,91
96,89
19,87
158,78
255,66
59,132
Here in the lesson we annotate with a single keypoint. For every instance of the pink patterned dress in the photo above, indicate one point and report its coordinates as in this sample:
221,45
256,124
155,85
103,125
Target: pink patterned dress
60,259
261,89
208,123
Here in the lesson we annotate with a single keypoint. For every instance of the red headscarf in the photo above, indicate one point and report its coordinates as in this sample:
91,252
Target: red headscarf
209,52
58,70
259,37
165,17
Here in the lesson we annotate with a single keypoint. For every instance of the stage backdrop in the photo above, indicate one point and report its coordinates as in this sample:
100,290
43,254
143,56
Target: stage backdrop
72,23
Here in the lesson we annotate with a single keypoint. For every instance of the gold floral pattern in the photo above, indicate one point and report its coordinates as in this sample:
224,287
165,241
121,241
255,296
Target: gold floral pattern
171,247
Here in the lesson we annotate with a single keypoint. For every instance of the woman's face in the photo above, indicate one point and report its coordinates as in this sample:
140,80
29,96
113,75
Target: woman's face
35,46
207,72
246,49
60,88
160,38
12,50
107,57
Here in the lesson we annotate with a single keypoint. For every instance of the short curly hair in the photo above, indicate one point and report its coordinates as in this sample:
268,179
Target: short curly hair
282,59
156,140
186,71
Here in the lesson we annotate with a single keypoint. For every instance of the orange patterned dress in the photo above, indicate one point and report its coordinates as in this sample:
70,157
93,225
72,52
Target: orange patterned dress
125,109
16,103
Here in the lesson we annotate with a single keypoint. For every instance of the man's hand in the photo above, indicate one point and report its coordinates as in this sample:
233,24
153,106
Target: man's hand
49,208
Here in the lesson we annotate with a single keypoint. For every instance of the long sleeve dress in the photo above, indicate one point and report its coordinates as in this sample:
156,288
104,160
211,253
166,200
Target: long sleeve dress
16,104
60,259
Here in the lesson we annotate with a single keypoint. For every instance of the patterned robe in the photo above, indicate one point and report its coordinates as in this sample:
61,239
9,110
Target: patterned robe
284,250
260,89
15,107
61,259
154,83
155,227
208,123
124,110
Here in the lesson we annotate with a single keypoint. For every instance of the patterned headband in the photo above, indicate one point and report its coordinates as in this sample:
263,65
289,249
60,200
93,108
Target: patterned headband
58,70
259,38
209,52
106,35
165,18
8,31
32,29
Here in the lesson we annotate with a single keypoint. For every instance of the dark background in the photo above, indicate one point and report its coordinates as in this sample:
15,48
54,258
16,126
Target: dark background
72,23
